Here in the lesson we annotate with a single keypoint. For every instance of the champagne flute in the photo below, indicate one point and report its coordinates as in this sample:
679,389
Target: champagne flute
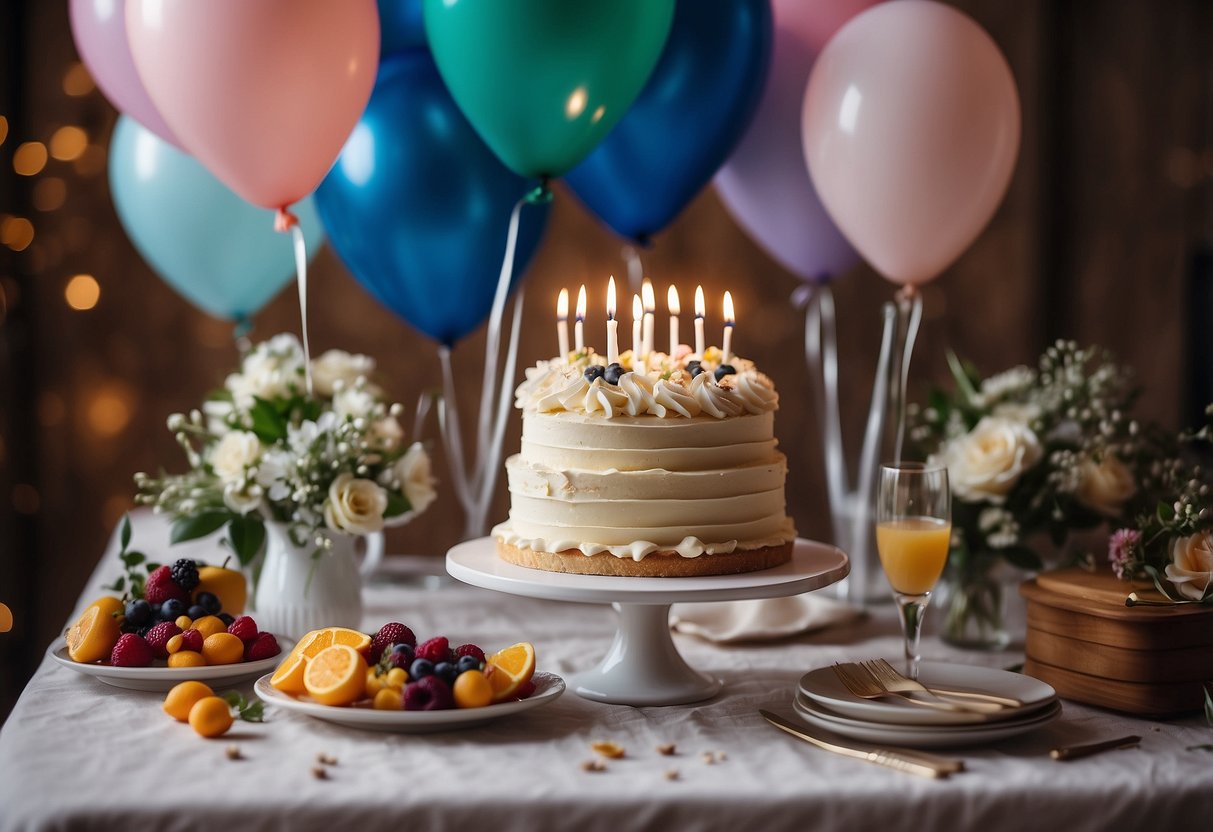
913,531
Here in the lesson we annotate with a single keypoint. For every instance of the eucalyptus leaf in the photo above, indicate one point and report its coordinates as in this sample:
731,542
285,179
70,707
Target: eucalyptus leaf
198,525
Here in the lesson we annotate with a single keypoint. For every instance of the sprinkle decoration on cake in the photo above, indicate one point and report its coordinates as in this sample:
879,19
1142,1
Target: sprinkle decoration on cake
650,464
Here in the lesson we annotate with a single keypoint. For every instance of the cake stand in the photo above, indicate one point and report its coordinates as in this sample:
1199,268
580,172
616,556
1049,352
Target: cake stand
642,666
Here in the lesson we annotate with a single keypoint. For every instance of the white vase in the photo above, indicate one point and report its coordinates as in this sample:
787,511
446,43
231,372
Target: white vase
298,591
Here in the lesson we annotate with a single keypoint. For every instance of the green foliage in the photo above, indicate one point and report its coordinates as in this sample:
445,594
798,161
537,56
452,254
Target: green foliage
192,527
245,710
246,533
135,565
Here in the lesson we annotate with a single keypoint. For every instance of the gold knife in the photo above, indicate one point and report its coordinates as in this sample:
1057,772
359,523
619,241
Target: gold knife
1075,752
923,766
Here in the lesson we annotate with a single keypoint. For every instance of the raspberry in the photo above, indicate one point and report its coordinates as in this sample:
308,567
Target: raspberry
435,650
131,651
391,633
157,638
262,647
428,694
185,574
192,639
470,650
161,587
243,628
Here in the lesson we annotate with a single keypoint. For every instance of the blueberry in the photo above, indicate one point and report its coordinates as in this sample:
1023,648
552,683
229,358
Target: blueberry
695,368
421,668
694,362
226,619
197,611
725,370
446,672
467,663
209,601
138,613
172,609
594,371
143,631
613,372
405,654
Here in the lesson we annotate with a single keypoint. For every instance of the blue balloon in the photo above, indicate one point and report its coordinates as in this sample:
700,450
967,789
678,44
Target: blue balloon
401,27
686,122
418,207
218,251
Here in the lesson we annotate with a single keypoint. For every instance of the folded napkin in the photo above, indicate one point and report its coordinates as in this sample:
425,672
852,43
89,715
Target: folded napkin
760,620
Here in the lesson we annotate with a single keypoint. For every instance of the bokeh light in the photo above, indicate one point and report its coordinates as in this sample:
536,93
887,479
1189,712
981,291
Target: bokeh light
16,233
77,81
49,193
68,143
29,158
109,410
82,292
3,129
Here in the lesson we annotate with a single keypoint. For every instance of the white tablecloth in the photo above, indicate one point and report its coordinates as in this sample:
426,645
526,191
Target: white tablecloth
76,754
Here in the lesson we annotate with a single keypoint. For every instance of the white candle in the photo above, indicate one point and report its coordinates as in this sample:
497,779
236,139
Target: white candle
562,324
700,311
729,320
675,308
650,307
637,316
579,326
612,324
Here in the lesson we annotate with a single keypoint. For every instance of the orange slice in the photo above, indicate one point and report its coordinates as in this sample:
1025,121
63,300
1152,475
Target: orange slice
95,632
336,675
510,669
288,678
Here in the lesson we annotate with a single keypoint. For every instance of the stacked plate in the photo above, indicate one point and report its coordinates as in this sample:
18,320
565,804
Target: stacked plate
824,702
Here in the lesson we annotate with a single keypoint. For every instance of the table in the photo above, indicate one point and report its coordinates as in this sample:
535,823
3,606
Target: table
77,755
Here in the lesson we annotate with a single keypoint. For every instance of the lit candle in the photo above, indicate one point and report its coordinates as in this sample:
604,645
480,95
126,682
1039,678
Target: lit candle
729,319
579,326
637,315
700,311
562,324
675,310
650,307
612,324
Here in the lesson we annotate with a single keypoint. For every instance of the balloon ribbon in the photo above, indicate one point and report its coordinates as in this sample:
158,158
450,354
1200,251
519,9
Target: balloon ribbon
285,221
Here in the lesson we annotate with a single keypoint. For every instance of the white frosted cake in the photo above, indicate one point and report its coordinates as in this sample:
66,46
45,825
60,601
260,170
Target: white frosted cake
672,472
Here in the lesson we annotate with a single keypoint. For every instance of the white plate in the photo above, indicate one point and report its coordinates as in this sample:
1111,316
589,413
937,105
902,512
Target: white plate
923,736
548,686
824,687
164,678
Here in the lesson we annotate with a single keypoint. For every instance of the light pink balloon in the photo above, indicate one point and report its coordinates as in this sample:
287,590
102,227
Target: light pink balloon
911,131
263,92
99,29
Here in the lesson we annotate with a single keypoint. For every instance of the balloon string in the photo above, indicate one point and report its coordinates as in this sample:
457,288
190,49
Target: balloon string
869,456
301,281
909,311
448,427
284,220
635,268
821,354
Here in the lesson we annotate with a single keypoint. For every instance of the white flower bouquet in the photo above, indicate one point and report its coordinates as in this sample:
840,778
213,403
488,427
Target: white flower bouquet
261,449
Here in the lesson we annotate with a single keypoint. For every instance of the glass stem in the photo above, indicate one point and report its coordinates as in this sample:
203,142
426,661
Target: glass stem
913,609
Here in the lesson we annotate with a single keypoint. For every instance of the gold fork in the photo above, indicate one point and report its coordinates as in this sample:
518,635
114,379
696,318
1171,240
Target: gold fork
860,682
888,678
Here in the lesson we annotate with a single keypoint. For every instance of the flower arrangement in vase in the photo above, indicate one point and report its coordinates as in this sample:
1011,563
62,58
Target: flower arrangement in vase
308,473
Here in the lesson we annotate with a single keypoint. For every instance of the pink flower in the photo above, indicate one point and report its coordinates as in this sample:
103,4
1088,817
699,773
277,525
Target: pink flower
1122,549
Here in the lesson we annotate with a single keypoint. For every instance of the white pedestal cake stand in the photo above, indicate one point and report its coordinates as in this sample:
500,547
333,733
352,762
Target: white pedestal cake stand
642,666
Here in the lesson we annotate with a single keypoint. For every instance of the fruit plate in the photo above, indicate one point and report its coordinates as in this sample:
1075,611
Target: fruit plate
164,678
548,686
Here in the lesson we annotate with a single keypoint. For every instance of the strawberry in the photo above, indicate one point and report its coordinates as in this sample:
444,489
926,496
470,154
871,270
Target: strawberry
435,650
192,639
262,647
131,651
161,587
470,650
243,628
157,638
391,633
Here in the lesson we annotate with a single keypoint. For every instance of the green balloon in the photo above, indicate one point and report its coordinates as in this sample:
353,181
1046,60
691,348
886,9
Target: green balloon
544,81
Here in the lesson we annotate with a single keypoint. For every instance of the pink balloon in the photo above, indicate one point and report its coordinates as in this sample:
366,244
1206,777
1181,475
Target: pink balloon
911,131
263,92
99,29
764,184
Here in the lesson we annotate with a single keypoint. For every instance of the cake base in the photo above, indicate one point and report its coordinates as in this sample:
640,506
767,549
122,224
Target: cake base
660,564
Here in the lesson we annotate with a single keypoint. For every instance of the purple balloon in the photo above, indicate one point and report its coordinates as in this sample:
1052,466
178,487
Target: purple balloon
765,184
99,29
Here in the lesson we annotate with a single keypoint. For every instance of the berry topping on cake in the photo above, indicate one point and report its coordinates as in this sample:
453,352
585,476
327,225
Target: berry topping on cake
725,370
594,371
613,373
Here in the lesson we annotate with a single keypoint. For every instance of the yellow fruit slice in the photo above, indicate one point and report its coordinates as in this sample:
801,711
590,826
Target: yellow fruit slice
510,669
182,697
210,716
227,585
336,675
222,648
95,632
288,678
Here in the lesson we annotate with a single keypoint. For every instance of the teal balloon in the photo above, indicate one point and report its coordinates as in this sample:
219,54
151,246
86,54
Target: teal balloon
216,250
543,81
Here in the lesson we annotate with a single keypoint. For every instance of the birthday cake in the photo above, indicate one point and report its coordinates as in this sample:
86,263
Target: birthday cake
661,468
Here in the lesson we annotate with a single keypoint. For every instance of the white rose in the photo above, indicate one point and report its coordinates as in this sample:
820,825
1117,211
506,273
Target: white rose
985,463
1105,486
354,403
236,451
355,506
339,368
268,372
415,474
387,432
242,501
1191,565
1023,412
216,412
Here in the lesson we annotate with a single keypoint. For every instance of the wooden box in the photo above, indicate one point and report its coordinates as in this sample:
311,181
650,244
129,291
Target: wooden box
1084,641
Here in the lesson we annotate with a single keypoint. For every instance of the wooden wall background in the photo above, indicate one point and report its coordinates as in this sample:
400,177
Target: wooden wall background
1104,237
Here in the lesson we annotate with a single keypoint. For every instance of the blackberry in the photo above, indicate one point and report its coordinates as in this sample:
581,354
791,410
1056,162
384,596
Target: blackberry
185,574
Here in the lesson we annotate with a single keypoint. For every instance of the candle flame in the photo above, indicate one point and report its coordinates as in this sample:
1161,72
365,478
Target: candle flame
581,303
611,299
700,307
729,316
562,305
671,300
648,296
637,309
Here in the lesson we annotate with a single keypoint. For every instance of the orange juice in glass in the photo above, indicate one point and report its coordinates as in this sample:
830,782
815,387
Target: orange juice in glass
913,552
